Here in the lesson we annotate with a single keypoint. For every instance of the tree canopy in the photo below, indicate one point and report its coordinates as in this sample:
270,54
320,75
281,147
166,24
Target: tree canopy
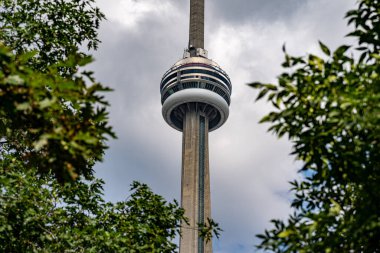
52,116
329,108
38,214
53,129
52,123
56,29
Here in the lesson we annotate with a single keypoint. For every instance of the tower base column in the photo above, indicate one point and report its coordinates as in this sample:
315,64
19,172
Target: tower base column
195,194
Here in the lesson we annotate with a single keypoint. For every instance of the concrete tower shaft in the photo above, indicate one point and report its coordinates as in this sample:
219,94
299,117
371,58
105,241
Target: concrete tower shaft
197,17
195,97
195,194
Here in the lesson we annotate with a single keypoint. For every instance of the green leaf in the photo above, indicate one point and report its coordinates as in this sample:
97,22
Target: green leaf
341,50
14,80
335,208
271,87
285,233
324,48
23,106
261,236
47,102
42,141
256,85
345,105
262,93
85,60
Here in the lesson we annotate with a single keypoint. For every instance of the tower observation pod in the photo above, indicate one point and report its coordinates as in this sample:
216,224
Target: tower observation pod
195,97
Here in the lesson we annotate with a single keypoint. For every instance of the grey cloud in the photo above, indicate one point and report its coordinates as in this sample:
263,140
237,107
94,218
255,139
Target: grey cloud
265,10
132,63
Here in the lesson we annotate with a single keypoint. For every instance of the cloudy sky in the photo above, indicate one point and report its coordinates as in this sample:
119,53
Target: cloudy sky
250,168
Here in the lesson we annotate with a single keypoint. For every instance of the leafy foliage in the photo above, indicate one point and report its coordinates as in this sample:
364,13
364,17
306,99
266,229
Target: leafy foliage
329,108
37,214
55,28
51,116
50,122
208,229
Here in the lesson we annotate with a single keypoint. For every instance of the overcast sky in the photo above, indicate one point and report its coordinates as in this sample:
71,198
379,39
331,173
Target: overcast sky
250,168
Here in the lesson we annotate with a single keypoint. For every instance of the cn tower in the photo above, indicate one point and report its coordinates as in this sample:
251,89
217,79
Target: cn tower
195,97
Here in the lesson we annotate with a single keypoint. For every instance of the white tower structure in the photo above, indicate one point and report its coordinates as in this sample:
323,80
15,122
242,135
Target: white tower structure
195,97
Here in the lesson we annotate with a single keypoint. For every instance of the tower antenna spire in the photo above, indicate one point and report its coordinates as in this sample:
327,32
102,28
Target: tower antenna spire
196,31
